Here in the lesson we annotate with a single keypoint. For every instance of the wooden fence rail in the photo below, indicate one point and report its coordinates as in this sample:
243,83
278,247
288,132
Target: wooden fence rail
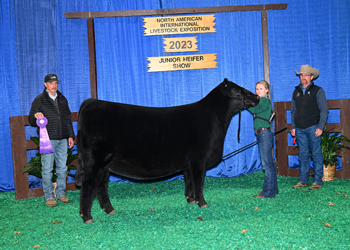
20,146
283,150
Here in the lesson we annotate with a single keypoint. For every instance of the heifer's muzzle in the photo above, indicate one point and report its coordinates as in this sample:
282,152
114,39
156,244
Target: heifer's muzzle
244,100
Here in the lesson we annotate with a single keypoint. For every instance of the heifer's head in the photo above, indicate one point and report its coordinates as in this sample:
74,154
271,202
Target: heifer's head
240,98
245,98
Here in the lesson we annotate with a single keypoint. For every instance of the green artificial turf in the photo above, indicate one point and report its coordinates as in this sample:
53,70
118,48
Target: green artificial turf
157,216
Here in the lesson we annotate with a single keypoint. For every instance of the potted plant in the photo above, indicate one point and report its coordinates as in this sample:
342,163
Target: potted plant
34,166
331,144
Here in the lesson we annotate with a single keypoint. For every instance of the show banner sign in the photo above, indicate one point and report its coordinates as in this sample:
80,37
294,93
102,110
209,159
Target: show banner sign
179,25
183,62
180,44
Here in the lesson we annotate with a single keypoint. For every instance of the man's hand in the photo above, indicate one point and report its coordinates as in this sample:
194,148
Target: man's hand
70,142
292,132
39,115
318,132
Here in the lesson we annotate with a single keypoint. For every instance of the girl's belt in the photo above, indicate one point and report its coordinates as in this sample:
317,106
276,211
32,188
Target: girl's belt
261,129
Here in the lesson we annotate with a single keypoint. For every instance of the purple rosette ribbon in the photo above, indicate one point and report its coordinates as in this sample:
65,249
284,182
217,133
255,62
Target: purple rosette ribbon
44,141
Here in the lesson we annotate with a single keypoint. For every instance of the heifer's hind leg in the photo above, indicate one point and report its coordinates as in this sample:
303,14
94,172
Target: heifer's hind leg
87,194
102,195
189,187
92,180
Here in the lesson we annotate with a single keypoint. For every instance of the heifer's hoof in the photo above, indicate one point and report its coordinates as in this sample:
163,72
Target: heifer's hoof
109,210
202,204
89,221
190,200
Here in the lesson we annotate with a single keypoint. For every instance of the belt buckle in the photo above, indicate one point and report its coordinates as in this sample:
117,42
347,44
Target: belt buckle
258,131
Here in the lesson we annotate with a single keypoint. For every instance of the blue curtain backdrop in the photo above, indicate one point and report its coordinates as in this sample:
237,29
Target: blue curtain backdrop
37,39
9,99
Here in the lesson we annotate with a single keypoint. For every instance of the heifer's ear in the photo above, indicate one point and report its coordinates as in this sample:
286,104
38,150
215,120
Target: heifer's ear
225,82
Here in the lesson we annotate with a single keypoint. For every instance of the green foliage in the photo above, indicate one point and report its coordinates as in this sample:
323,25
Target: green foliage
34,165
331,144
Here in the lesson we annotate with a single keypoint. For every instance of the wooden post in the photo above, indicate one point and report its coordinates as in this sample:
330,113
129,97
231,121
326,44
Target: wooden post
19,156
265,41
92,57
344,105
282,141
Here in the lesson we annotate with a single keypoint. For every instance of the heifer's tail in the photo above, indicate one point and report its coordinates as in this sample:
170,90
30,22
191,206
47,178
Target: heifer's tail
81,109
79,174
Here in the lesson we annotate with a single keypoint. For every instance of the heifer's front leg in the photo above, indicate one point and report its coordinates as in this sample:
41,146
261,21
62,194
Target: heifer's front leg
102,195
189,187
198,182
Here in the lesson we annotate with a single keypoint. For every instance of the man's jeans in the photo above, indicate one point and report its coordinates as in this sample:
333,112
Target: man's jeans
59,154
265,143
306,139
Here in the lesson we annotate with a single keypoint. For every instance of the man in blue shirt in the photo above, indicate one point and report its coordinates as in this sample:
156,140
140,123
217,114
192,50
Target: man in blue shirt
309,114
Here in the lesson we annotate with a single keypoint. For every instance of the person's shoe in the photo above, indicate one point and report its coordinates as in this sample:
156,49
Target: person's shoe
315,186
301,185
64,199
51,203
259,196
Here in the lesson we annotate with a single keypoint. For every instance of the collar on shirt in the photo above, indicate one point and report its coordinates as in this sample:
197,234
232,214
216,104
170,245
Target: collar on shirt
51,96
308,86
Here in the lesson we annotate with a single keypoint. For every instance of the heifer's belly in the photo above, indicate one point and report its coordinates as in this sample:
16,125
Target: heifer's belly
143,171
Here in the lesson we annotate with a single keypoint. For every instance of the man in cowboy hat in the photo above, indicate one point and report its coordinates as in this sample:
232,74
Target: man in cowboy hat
309,114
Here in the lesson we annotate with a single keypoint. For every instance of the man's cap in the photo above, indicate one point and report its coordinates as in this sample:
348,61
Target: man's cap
51,78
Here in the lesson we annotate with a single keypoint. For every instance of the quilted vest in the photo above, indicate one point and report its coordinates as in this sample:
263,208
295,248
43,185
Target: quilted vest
307,111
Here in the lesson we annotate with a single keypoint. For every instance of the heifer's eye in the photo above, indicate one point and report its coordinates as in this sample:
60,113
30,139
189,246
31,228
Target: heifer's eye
225,85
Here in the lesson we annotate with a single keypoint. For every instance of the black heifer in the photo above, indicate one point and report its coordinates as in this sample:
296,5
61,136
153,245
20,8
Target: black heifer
146,143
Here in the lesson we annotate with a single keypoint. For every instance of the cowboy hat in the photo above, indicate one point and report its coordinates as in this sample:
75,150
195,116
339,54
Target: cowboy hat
308,69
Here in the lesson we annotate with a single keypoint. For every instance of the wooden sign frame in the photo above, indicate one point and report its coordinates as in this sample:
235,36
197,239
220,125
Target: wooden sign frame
89,16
